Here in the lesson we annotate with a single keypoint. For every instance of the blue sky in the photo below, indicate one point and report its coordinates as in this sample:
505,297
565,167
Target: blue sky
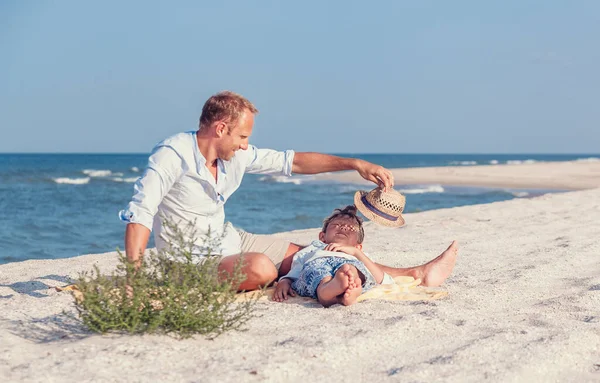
330,76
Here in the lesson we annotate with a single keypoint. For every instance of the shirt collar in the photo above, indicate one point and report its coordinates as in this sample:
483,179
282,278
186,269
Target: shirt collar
201,160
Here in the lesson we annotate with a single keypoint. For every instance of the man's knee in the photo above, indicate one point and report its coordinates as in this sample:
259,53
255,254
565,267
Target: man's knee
257,268
260,267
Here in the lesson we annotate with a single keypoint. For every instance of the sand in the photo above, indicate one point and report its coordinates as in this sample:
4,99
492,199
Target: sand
523,305
571,175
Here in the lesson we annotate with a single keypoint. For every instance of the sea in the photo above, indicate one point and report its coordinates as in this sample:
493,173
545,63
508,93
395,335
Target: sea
64,205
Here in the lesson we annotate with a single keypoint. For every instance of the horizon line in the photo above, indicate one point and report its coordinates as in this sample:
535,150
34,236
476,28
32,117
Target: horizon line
332,153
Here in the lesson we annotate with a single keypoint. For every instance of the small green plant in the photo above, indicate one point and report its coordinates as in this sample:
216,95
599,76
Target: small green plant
170,293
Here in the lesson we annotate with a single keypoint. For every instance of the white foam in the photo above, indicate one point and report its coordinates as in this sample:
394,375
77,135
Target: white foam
463,163
590,159
72,181
520,194
282,179
494,162
135,169
129,179
520,162
97,173
429,189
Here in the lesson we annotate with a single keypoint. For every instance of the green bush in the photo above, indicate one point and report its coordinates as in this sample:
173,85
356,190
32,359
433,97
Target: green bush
168,293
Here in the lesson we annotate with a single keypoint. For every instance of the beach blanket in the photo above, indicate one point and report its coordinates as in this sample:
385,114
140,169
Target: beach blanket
404,289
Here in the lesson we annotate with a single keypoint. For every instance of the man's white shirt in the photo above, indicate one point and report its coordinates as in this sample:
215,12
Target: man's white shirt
177,186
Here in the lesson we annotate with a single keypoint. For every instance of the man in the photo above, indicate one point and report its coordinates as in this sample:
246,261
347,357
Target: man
191,175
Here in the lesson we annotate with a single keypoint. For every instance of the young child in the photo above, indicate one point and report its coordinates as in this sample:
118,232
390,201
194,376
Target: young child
333,269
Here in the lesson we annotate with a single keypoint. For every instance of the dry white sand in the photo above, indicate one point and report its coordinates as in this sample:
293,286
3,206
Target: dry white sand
524,305
572,175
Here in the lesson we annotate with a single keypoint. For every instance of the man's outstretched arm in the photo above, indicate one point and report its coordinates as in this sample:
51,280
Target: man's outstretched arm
136,240
313,163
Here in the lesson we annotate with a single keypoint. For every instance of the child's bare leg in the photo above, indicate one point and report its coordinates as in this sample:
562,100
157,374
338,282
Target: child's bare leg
330,288
354,289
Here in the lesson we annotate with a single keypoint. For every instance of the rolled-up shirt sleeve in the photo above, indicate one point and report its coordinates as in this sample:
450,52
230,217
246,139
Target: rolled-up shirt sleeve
300,259
268,161
165,167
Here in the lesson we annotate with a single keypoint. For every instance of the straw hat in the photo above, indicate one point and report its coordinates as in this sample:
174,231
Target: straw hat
382,207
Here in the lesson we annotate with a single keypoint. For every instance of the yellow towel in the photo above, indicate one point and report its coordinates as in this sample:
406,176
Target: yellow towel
405,289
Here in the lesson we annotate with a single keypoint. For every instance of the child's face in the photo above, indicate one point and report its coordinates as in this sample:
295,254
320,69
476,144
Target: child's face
342,230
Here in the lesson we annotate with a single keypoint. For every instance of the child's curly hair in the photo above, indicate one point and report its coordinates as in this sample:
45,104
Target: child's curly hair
349,211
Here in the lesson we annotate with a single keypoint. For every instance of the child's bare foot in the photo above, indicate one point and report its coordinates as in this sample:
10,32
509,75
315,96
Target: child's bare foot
353,291
435,272
328,291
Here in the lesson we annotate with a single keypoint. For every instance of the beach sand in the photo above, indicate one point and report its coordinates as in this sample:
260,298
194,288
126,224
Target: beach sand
570,175
523,305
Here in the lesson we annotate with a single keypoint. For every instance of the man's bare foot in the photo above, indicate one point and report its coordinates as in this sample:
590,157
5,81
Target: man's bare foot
328,291
353,291
435,272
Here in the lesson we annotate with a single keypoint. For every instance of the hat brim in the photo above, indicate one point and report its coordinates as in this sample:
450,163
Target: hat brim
373,216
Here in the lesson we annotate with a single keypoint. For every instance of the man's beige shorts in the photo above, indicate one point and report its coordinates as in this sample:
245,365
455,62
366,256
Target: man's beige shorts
272,247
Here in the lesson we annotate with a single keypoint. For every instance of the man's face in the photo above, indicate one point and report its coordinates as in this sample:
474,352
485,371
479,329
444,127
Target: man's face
237,137
342,230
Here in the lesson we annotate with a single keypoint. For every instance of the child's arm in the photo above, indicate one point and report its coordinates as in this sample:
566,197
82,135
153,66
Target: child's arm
353,251
371,266
284,286
283,289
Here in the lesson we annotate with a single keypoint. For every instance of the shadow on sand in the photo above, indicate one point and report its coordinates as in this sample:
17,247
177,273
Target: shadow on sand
54,328
36,288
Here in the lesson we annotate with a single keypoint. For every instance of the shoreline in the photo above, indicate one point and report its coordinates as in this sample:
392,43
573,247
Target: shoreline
542,177
522,306
568,175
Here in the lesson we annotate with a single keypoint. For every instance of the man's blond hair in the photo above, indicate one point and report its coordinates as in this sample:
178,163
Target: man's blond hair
224,106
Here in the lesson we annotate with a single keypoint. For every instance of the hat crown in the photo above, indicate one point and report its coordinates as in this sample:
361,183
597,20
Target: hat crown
391,202
381,207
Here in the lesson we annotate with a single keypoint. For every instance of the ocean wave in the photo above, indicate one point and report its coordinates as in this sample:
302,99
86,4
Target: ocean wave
72,181
429,189
97,173
520,194
349,189
590,159
494,162
520,162
463,163
128,179
135,169
283,179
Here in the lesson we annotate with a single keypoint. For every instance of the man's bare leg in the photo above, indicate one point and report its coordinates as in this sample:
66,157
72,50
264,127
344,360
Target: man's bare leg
434,272
341,288
257,267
